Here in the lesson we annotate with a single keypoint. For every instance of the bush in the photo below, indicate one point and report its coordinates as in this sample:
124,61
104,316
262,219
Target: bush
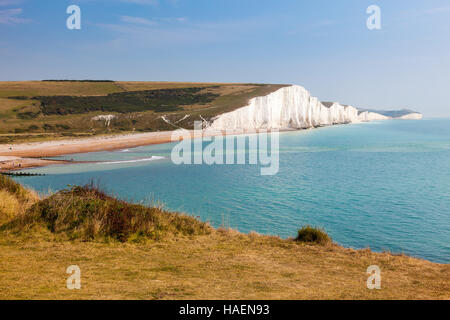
161,100
33,128
62,126
312,235
28,115
87,213
48,127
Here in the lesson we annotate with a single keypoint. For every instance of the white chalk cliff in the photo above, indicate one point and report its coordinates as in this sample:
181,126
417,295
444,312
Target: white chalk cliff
290,107
412,116
371,116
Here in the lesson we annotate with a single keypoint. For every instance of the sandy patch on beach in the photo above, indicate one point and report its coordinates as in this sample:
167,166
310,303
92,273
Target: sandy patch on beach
70,146
16,163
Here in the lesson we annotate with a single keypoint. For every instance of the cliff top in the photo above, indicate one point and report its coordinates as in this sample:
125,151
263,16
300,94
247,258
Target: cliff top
127,251
45,110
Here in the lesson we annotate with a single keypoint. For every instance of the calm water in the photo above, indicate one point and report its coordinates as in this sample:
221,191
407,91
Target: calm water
383,185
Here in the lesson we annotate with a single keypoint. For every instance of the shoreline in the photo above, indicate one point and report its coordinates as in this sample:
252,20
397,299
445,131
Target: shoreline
25,155
11,164
20,156
54,148
28,155
114,140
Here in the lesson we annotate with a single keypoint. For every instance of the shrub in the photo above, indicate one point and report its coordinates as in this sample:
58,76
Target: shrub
160,100
28,115
19,98
62,126
87,213
33,128
48,127
312,235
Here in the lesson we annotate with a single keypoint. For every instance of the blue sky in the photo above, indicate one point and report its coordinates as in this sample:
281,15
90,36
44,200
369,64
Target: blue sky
321,45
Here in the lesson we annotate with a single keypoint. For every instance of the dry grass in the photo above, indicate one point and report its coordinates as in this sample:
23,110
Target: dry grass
7,105
14,199
9,206
153,85
188,261
222,265
42,88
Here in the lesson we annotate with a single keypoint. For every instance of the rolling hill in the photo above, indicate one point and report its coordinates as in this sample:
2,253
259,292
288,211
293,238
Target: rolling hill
37,110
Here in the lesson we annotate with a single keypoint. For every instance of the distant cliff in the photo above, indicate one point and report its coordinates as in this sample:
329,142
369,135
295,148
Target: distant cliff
411,116
293,107
397,114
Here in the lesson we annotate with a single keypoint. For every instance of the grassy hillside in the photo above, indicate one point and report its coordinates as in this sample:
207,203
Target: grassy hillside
86,213
129,251
38,110
51,88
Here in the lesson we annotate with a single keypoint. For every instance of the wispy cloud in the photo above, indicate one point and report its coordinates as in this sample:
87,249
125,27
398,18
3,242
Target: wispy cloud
137,2
152,22
437,10
143,2
180,19
10,2
10,16
133,31
138,20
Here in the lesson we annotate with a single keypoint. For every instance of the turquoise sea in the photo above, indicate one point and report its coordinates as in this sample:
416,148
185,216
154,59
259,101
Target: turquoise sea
383,185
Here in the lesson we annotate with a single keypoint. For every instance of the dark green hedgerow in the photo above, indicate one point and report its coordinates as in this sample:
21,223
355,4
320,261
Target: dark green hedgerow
164,100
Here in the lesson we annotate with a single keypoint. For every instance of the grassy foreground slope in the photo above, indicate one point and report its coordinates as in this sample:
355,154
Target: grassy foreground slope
14,199
128,251
37,110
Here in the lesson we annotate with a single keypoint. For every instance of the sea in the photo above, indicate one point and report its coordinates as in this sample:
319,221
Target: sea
383,185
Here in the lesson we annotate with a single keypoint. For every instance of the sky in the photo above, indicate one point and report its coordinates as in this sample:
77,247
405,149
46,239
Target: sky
324,46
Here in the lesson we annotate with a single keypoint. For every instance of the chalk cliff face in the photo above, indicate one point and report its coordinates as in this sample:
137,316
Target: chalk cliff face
290,108
411,116
287,108
371,116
